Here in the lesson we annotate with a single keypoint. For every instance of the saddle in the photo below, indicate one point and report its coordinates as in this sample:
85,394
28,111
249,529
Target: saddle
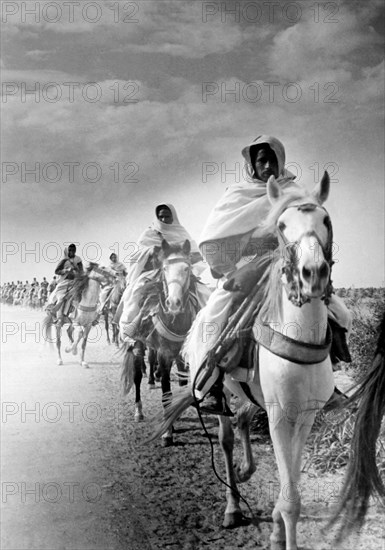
242,356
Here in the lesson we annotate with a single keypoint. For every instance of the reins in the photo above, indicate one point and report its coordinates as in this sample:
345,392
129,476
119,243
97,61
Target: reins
165,284
290,257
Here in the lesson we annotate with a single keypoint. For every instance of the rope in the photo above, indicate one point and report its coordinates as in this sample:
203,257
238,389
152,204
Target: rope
196,403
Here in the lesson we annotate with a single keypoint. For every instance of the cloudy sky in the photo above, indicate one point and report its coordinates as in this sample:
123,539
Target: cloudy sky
137,103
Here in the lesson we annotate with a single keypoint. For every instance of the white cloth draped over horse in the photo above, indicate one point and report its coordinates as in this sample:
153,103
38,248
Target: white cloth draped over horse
234,234
140,270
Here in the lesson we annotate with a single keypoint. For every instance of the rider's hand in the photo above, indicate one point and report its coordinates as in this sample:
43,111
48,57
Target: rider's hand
242,281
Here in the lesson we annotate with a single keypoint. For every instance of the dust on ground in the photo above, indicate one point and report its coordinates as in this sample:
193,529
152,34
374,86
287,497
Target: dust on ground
77,473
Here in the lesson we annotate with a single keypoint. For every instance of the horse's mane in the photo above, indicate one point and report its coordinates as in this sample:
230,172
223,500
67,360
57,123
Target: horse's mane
81,283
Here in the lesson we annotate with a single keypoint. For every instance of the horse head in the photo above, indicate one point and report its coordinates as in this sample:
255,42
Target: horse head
99,273
305,236
176,270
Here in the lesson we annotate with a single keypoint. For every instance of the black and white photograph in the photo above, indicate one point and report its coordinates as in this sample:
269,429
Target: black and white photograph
192,275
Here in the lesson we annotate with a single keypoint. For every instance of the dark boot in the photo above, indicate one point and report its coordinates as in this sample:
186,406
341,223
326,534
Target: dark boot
336,401
214,401
339,350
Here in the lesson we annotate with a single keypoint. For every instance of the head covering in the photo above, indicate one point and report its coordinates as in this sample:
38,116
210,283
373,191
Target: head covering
75,260
162,207
173,233
274,144
243,207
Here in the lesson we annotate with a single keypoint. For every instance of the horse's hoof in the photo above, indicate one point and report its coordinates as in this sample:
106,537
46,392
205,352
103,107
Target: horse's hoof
67,350
234,519
139,417
59,362
152,386
85,365
242,475
74,351
167,441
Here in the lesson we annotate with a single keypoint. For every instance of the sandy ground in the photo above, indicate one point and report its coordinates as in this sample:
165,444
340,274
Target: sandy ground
76,473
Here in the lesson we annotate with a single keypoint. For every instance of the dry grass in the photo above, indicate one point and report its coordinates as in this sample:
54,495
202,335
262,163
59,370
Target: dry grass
328,447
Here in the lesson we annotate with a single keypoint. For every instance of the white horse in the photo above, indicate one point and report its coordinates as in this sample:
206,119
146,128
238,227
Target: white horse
85,292
294,376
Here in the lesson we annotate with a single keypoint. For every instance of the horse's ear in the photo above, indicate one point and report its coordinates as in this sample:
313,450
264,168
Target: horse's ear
321,190
186,248
273,190
165,247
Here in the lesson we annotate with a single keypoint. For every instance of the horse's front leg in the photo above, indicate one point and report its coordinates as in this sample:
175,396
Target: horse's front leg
182,371
86,332
115,334
58,342
76,337
151,361
165,368
107,327
138,352
233,515
246,468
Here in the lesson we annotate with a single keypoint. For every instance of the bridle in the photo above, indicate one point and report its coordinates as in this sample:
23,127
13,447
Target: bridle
293,285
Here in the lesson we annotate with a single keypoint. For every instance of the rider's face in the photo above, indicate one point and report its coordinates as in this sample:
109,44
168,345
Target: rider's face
265,164
71,252
165,216
113,258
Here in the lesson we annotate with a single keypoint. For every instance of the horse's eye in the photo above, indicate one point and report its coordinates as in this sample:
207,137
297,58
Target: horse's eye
281,226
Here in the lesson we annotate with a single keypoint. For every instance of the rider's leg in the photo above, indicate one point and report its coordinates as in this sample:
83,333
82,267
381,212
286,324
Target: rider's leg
340,321
104,295
207,329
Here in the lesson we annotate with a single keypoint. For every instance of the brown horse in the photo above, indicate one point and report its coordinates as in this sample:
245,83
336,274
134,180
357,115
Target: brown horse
168,312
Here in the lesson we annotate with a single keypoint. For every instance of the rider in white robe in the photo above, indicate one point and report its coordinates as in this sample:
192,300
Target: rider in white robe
234,235
141,271
117,269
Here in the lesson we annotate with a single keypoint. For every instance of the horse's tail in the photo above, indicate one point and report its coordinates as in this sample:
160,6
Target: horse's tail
362,477
128,369
172,412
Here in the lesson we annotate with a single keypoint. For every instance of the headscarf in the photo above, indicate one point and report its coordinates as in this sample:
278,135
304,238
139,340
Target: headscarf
243,206
117,267
173,233
75,260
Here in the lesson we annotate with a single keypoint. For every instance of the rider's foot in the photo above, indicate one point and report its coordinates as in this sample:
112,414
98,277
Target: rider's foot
337,400
215,401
